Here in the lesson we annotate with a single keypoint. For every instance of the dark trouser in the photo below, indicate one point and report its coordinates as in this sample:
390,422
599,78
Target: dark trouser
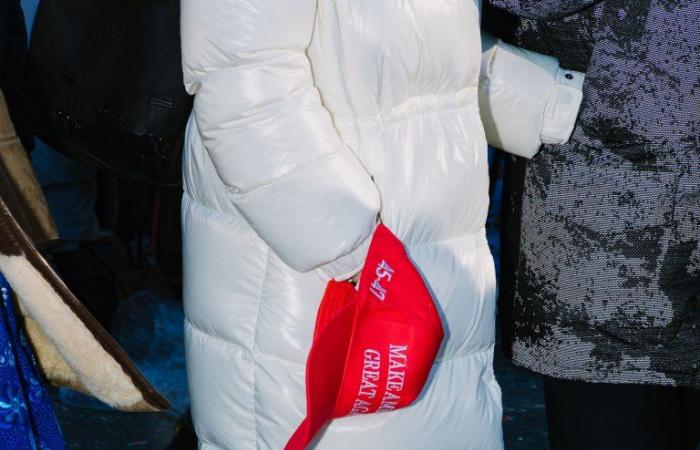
587,416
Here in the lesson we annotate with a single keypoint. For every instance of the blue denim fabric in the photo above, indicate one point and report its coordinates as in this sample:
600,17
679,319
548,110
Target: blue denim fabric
70,189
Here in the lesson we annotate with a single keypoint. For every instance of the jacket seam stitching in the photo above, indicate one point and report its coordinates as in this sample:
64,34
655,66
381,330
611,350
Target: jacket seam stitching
212,335
255,344
579,374
242,348
452,359
255,352
478,239
242,196
384,116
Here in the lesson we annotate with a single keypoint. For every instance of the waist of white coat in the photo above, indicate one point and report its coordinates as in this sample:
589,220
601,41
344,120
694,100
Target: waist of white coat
475,239
414,106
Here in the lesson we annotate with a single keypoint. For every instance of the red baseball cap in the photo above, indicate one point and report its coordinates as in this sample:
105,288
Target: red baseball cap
373,347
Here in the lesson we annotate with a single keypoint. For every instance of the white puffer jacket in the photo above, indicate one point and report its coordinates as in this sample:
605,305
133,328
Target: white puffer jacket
311,117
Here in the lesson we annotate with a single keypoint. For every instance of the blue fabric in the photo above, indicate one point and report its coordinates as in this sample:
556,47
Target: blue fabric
70,189
27,419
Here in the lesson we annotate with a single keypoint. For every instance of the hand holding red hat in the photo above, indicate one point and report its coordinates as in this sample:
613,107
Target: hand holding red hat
374,347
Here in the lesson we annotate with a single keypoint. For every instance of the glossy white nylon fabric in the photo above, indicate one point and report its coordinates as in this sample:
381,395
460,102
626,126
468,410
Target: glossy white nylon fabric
310,119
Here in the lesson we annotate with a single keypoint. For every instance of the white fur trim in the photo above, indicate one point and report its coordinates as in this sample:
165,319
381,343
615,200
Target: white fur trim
99,372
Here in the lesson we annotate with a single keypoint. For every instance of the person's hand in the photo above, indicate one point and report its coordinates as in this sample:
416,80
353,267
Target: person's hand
356,278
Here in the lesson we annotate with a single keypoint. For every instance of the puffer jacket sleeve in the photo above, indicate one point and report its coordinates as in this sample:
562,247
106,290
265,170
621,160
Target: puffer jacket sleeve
270,138
525,98
543,9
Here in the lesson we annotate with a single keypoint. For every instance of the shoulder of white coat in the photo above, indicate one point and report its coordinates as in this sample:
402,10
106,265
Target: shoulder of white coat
219,33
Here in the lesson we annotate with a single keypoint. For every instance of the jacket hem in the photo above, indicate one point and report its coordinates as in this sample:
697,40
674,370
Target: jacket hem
643,377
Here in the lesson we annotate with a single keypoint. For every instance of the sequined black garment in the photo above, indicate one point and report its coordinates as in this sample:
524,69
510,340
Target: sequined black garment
602,234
